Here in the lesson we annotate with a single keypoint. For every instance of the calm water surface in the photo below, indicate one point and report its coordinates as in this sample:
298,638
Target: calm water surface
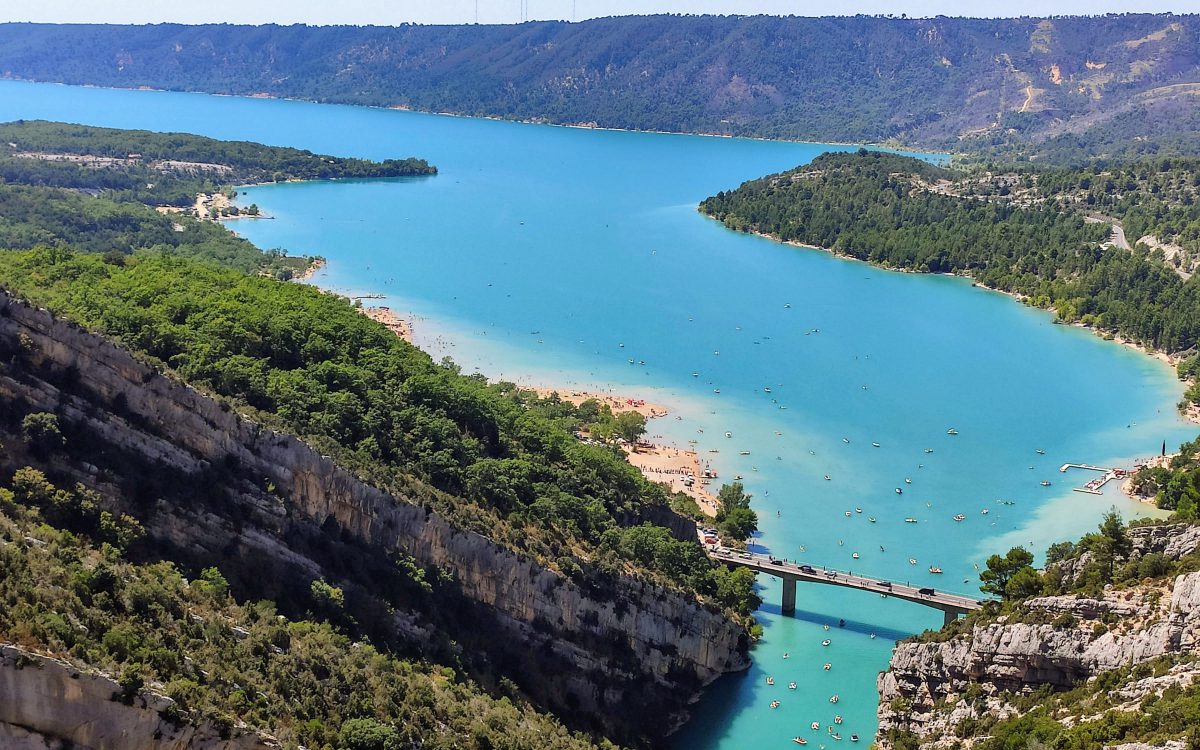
556,256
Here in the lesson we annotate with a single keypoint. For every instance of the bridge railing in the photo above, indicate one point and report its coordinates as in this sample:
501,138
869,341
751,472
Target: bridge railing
766,562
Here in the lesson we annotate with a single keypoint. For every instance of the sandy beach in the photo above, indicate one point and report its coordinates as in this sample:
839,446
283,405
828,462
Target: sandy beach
671,466
394,322
316,264
658,463
618,404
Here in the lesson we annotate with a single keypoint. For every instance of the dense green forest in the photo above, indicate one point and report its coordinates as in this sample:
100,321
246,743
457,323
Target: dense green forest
187,293
309,363
70,589
165,169
1103,80
1020,233
40,216
77,186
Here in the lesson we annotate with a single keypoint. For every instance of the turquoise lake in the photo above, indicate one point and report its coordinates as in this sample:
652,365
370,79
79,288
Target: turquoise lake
554,256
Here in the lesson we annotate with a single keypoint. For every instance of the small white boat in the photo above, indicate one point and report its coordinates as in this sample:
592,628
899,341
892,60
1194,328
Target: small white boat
728,434
791,686
834,698
935,570
745,453
1045,483
871,519
1040,452
845,440
826,477
907,480
910,520
960,517
855,555
899,491
848,514
875,445
912,561
929,450
951,431
815,725
858,510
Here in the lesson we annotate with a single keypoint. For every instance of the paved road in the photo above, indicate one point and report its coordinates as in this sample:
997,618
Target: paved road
942,600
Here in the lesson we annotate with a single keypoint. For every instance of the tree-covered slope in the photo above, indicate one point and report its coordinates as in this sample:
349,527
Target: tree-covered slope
1026,233
928,81
70,589
166,169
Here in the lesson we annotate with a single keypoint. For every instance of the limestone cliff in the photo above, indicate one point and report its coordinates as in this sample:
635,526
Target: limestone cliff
47,704
625,658
946,691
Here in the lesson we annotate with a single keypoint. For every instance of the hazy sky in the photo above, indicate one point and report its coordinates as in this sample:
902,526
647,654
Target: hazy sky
387,12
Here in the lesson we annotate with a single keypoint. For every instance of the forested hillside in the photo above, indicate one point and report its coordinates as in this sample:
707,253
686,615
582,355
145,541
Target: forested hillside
497,467
70,588
1115,83
165,169
1044,235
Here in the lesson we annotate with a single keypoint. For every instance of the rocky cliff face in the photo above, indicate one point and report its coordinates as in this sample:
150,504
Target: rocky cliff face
625,660
46,704
933,690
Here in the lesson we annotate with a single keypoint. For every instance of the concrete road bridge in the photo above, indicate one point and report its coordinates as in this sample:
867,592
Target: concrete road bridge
952,605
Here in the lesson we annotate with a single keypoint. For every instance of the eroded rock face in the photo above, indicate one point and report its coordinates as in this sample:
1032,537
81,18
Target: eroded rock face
46,704
1173,541
929,689
628,660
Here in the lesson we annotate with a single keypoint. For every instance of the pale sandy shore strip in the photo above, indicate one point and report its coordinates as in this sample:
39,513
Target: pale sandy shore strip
394,322
618,404
308,273
658,463
671,466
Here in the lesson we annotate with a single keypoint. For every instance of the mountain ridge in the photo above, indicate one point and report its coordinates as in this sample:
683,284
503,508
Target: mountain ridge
965,84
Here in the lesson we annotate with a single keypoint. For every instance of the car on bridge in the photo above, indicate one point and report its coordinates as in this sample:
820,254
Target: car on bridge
926,591
885,584
807,569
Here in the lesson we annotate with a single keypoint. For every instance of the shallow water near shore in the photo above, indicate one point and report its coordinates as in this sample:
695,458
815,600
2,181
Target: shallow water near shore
557,256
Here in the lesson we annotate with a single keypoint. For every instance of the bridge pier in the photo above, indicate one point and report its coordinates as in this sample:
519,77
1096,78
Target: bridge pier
789,596
949,617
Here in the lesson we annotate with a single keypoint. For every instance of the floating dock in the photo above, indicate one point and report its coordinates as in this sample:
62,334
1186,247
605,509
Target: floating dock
1096,486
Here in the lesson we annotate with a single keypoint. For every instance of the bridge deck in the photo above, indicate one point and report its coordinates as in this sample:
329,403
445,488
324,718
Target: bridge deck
945,601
